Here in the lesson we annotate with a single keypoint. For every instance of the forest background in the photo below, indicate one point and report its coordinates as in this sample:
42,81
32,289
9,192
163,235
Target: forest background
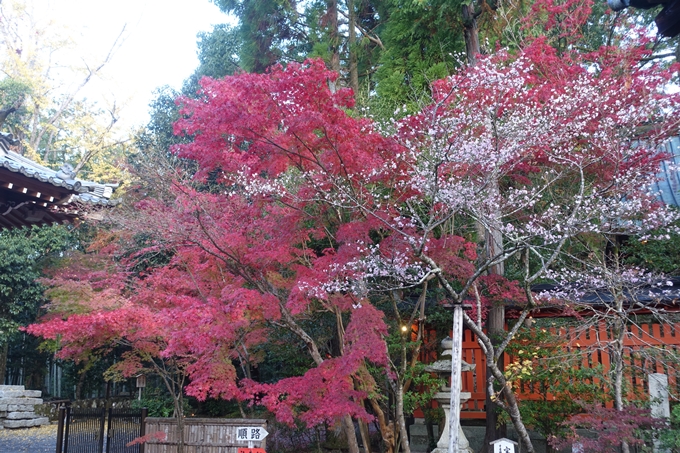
389,53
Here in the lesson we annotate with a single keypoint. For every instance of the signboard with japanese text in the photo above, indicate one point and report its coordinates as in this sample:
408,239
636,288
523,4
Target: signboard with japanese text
250,433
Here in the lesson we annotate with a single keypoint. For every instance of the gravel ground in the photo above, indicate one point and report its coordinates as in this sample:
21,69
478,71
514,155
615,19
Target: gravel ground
30,440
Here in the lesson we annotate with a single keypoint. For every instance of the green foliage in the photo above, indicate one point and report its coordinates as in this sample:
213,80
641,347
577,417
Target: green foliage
85,379
423,42
218,51
158,400
438,318
655,255
318,28
164,112
267,28
12,94
24,253
670,438
543,367
423,387
285,354
218,408
159,403
26,361
218,55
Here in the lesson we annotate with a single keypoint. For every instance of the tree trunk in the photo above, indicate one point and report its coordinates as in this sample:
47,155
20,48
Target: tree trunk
401,423
348,427
510,404
4,350
513,412
179,415
617,359
495,323
365,436
471,32
353,64
333,34
80,383
495,327
347,423
386,430
493,241
512,408
174,379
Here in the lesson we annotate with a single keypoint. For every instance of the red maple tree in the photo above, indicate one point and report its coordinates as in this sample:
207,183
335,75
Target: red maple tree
299,206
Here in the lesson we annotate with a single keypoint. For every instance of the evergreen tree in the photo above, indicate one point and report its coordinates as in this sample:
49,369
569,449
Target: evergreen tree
24,254
218,52
422,41
266,28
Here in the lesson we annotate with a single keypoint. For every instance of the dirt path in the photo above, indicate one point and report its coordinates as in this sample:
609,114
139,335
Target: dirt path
30,440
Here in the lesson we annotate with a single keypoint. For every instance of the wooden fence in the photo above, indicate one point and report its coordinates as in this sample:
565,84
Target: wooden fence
201,435
648,348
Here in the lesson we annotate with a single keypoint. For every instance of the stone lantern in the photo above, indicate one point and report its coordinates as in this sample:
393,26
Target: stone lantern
443,397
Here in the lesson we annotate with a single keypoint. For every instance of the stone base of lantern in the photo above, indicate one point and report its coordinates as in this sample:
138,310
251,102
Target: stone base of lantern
444,400
463,444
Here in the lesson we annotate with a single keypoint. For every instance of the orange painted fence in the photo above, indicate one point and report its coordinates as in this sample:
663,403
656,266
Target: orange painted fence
648,348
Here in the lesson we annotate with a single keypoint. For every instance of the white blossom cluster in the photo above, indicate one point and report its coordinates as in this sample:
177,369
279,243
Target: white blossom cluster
617,287
396,270
535,164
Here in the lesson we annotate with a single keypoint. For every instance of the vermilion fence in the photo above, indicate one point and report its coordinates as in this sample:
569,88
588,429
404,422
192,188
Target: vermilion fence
648,348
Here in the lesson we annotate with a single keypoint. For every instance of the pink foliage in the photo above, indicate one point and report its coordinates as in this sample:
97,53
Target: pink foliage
157,435
609,428
327,392
288,117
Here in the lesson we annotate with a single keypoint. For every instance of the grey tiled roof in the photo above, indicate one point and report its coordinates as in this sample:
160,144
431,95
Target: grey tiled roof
84,191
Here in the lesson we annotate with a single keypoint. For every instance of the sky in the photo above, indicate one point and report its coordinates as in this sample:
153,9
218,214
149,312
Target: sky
157,45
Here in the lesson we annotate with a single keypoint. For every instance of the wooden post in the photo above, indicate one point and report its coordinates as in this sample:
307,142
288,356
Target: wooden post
142,430
68,419
108,432
456,358
60,429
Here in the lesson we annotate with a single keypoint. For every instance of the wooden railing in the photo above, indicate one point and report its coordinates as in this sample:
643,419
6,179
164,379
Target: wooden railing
201,435
644,344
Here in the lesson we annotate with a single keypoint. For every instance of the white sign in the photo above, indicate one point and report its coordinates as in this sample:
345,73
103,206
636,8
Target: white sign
250,433
504,445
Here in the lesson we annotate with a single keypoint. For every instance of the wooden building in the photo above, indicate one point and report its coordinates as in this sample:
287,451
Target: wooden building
31,194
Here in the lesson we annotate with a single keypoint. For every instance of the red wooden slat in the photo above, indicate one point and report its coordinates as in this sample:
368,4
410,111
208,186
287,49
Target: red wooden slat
592,343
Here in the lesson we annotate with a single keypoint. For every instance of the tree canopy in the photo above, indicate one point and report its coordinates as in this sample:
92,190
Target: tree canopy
297,207
274,203
51,120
